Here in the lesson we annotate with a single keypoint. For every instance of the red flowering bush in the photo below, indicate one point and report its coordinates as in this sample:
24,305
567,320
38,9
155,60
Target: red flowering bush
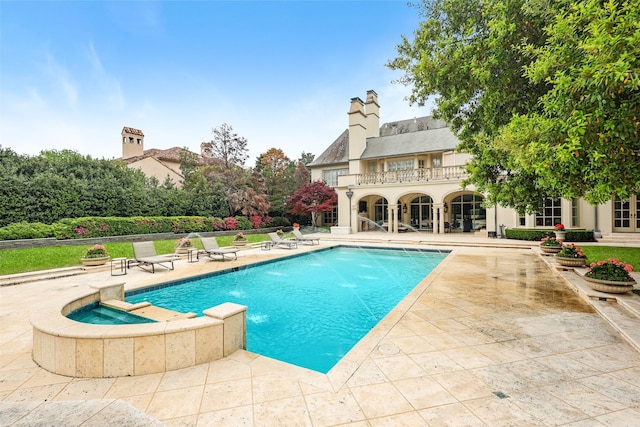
611,269
558,227
230,223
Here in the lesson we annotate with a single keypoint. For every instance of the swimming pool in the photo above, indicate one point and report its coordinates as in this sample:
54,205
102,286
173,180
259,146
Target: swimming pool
310,309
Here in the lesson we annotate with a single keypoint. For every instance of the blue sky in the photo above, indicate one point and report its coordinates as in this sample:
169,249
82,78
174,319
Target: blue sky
280,73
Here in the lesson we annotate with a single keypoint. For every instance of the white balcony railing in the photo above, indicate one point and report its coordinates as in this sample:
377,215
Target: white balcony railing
411,175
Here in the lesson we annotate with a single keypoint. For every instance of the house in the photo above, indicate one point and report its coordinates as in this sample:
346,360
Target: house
406,176
161,164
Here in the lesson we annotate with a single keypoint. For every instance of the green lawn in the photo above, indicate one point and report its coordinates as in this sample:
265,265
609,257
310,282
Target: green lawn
14,261
625,254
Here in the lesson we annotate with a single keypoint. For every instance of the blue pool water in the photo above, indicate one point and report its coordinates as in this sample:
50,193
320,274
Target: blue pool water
310,309
101,315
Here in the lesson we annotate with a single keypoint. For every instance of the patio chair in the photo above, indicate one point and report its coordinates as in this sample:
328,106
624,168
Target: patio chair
306,240
211,249
144,254
284,243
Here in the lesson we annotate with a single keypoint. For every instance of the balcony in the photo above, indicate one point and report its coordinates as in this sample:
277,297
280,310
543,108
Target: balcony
412,175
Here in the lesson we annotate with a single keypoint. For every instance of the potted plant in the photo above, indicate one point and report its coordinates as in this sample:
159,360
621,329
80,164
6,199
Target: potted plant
550,245
612,276
240,239
183,245
95,255
571,256
296,226
560,231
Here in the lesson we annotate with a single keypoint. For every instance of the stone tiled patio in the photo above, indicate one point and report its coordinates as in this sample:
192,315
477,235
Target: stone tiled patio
493,337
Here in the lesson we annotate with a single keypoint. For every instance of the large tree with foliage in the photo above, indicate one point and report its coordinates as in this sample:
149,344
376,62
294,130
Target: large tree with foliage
312,199
511,77
278,175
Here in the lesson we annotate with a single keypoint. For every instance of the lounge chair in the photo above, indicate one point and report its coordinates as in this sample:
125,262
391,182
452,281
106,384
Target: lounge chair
144,254
284,243
211,249
306,240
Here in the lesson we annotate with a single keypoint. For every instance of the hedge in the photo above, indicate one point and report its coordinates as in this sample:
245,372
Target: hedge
88,227
536,234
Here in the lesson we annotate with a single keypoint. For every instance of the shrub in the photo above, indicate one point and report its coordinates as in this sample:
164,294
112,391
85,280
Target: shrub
24,230
538,234
244,223
279,221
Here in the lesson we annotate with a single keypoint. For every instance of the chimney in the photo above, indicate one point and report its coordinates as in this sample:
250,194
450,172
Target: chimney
132,142
373,115
357,134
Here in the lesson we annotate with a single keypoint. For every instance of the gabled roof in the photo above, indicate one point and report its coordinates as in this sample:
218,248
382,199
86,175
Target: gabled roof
400,138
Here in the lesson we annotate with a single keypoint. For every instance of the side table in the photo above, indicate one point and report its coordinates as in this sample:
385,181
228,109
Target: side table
118,266
192,255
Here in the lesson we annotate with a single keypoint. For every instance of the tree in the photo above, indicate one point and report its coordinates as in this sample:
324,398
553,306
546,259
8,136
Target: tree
227,146
278,176
586,141
313,198
508,75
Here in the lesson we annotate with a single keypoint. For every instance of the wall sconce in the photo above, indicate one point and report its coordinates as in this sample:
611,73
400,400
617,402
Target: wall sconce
404,208
446,208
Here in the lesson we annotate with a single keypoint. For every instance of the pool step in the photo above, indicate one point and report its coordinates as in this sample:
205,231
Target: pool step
124,306
161,314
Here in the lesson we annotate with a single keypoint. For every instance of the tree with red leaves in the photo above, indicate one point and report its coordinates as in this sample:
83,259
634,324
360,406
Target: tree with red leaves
312,199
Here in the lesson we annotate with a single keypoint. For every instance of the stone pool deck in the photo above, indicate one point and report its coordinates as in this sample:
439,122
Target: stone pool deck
495,336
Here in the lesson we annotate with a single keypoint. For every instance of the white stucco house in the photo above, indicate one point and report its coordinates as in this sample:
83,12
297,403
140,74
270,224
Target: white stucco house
406,176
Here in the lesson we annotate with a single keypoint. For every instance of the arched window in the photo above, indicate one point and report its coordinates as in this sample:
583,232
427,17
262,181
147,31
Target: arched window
421,212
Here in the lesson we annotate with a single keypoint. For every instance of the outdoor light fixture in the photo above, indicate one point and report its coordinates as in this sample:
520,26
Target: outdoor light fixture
349,195
446,208
404,208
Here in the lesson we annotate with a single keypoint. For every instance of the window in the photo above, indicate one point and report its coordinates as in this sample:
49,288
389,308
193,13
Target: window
380,211
551,213
575,222
330,217
436,160
400,166
421,164
331,176
522,220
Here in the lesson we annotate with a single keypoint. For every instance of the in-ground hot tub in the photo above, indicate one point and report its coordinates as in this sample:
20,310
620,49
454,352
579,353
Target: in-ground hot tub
66,347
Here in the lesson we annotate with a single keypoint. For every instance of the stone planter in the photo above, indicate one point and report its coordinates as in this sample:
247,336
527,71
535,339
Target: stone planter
551,249
609,286
561,235
571,262
182,250
240,242
95,261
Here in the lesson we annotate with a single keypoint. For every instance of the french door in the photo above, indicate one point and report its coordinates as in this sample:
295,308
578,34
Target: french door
626,215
